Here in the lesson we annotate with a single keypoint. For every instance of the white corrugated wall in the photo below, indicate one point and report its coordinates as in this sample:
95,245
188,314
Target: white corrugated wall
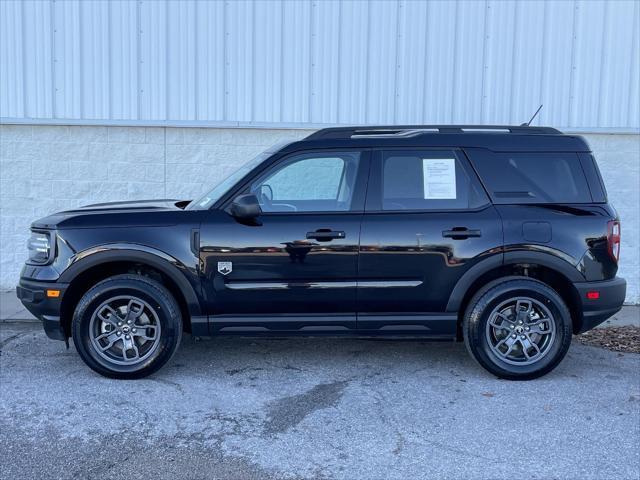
306,62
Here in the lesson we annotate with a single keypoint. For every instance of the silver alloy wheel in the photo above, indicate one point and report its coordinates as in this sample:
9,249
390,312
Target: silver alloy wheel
520,331
125,330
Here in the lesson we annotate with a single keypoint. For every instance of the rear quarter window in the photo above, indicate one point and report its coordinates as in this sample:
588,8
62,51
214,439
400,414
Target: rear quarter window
532,177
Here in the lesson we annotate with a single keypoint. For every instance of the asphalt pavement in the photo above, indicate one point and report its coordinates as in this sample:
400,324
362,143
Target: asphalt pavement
314,408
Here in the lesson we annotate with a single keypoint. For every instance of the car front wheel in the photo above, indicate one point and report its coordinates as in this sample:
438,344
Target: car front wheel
517,328
127,326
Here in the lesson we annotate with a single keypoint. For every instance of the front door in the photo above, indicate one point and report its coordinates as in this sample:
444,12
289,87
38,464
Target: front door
295,267
427,221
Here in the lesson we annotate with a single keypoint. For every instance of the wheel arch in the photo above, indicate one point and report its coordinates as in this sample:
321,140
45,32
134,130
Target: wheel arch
551,269
98,263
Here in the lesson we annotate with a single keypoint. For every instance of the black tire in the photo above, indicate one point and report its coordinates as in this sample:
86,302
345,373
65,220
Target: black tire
157,304
482,345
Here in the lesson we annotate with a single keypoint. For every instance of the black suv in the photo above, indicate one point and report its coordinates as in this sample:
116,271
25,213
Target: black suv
501,236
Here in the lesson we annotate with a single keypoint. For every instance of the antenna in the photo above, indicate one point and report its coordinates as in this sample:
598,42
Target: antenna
532,118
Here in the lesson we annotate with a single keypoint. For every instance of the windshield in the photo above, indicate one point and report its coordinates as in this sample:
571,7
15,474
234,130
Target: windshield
213,195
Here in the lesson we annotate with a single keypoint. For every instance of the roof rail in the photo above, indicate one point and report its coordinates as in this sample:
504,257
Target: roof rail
395,131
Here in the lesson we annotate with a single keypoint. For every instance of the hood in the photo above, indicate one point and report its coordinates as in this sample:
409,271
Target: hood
130,213
162,204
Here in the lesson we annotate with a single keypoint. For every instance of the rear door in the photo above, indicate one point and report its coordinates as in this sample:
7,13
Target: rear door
427,221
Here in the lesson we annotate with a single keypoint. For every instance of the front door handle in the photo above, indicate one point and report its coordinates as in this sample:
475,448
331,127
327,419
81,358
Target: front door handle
325,235
461,233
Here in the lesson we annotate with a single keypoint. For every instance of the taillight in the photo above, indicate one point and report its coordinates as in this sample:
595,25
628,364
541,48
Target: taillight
613,239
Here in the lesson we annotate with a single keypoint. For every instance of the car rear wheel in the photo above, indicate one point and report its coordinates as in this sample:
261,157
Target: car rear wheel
127,326
517,328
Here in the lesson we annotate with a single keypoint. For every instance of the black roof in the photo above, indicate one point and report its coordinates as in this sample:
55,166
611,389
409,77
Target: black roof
506,138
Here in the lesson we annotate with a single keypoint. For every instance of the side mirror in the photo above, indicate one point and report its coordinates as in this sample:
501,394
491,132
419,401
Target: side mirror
245,206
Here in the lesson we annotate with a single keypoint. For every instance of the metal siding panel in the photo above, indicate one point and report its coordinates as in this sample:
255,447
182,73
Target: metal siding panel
309,61
381,61
12,95
615,83
37,59
352,97
181,35
123,60
94,59
409,66
469,62
210,67
240,60
556,64
526,68
588,36
499,55
68,60
325,61
633,107
296,60
153,61
267,74
440,64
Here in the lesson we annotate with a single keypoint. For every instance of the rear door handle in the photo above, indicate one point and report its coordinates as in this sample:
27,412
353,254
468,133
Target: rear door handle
325,235
460,233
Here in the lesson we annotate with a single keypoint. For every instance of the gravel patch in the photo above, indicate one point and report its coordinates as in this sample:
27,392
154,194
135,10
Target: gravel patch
618,339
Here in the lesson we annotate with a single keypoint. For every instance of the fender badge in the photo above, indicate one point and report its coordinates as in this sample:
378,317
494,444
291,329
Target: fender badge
225,268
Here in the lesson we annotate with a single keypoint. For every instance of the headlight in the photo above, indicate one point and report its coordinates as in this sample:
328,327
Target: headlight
39,246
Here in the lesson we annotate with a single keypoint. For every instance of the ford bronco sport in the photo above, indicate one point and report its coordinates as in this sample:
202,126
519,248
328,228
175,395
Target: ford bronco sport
498,236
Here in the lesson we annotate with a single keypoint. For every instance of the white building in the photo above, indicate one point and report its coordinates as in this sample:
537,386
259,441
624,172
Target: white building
105,100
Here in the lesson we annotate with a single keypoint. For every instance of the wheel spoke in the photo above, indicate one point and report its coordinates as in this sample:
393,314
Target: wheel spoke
112,339
510,344
533,344
540,324
505,324
105,335
535,321
134,309
502,342
143,330
130,345
134,347
526,303
111,317
525,347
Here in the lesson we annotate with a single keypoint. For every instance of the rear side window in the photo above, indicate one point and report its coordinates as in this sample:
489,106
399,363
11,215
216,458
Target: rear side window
427,180
532,177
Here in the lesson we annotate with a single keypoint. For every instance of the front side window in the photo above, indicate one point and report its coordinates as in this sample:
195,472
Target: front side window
312,182
427,180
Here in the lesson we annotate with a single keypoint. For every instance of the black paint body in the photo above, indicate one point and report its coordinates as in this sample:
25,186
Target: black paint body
391,272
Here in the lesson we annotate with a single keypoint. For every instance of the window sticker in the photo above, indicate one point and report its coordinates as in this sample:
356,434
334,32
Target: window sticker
439,175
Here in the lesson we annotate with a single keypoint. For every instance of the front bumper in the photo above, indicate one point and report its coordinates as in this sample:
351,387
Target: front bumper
33,295
611,295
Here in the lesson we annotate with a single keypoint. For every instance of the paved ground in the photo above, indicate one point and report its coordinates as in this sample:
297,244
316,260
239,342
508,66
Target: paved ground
314,408
11,308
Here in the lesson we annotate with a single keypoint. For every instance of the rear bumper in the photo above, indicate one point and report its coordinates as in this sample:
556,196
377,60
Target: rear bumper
610,300
33,295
